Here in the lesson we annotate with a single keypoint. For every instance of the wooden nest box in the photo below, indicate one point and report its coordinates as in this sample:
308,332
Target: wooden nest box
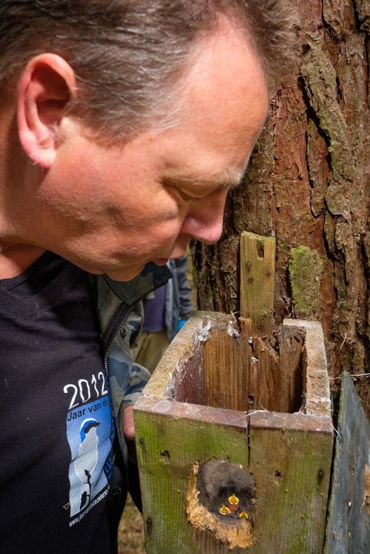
234,430
234,437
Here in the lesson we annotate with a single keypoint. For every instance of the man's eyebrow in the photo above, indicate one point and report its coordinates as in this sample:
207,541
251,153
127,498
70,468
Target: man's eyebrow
225,179
230,179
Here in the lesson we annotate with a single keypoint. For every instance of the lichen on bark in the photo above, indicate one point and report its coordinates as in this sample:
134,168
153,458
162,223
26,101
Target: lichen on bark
305,269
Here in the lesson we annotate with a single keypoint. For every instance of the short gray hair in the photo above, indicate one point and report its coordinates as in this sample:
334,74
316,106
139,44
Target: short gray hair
127,55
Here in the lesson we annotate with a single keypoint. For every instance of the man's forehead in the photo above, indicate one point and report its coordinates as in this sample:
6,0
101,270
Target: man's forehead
189,168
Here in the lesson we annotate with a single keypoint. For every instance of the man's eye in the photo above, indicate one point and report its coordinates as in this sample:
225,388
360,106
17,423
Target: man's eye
180,192
185,196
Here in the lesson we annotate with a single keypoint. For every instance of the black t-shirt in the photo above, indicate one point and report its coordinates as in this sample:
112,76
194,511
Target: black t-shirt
56,428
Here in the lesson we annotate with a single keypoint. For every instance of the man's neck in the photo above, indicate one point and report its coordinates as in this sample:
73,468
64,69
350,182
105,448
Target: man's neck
14,260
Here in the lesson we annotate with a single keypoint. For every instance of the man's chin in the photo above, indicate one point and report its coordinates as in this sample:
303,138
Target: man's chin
160,261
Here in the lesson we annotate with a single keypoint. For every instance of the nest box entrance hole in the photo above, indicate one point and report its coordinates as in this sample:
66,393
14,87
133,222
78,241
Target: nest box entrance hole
220,501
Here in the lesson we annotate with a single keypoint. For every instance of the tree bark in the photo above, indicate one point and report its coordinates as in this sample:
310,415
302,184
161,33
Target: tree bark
308,184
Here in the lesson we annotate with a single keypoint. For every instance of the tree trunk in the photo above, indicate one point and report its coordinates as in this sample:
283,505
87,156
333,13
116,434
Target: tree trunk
308,184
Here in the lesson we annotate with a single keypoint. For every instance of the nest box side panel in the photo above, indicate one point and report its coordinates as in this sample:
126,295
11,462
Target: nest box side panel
175,443
290,458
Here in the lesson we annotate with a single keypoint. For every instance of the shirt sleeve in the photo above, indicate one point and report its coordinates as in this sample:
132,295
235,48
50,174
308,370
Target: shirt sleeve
139,377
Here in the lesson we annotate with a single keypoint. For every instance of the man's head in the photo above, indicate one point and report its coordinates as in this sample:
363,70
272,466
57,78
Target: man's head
136,118
127,55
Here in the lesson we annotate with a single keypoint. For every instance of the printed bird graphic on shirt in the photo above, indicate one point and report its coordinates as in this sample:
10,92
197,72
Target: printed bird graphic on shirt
87,458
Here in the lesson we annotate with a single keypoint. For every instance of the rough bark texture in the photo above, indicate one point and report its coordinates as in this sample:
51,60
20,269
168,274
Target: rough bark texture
308,183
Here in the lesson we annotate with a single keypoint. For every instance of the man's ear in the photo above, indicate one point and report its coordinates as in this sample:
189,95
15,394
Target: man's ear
46,86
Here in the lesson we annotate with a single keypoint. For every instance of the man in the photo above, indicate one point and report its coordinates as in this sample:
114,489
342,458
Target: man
122,127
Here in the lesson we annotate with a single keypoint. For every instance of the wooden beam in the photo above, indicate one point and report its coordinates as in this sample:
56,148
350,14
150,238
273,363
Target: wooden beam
257,281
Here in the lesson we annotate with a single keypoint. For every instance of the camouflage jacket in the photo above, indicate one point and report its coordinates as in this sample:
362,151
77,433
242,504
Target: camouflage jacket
120,312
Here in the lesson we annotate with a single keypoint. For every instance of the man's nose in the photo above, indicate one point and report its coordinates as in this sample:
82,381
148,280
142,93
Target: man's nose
204,221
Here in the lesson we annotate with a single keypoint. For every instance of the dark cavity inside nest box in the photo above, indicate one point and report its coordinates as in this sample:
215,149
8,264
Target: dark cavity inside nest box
230,368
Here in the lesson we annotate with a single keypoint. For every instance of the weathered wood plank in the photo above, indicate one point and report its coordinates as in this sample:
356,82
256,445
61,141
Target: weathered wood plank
257,281
348,528
316,390
169,449
290,353
251,369
274,377
242,371
265,361
290,460
174,366
225,378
